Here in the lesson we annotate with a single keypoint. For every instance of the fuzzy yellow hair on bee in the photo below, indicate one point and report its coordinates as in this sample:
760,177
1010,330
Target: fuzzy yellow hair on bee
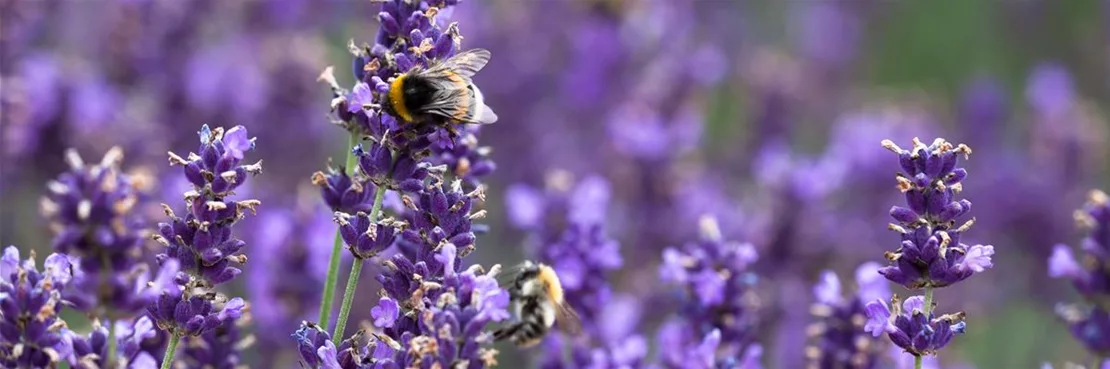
442,92
551,283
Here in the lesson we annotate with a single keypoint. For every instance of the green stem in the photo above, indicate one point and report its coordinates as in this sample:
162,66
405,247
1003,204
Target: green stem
337,247
348,296
1097,363
928,308
105,290
928,300
111,359
356,269
167,362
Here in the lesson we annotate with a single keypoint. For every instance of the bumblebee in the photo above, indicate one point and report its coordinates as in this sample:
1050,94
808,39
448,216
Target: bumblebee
443,91
538,303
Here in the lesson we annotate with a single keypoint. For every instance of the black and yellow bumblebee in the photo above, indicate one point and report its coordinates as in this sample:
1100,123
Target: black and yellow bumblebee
538,303
441,92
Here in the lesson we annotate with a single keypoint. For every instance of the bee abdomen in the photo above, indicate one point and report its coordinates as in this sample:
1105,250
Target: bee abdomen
523,334
533,325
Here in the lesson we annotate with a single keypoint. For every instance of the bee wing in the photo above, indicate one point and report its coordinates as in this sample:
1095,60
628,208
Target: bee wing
466,64
460,104
567,319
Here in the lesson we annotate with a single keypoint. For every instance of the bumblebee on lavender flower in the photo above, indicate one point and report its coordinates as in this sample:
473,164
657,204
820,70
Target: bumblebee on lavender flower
443,90
538,303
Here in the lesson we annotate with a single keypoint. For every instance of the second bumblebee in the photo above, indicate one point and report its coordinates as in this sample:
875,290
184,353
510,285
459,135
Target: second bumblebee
538,303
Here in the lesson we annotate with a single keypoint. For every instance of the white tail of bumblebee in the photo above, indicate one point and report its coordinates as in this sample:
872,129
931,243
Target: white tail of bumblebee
482,112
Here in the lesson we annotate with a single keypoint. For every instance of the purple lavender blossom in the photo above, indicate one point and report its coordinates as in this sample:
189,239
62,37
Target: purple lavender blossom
909,327
365,238
32,334
837,336
931,254
88,352
1089,324
344,193
442,325
218,348
311,339
91,210
201,242
465,159
436,217
1088,273
719,311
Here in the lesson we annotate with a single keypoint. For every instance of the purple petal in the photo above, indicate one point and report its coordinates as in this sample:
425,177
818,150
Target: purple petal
1062,263
59,268
328,356
446,256
709,286
872,285
386,313
9,263
237,142
878,317
914,303
827,289
978,258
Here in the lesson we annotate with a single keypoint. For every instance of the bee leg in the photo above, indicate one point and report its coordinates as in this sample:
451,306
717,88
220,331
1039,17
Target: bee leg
506,332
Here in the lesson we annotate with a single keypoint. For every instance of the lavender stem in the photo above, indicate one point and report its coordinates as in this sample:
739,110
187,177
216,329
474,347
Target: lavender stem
111,359
167,362
112,344
348,296
928,308
928,300
356,269
333,265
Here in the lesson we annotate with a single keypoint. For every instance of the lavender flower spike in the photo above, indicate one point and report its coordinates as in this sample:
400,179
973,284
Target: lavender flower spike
1089,324
910,327
1089,270
931,254
89,352
30,300
838,338
720,288
90,210
201,243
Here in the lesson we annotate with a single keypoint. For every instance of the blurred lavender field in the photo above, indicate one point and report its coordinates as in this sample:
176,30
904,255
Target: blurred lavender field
622,125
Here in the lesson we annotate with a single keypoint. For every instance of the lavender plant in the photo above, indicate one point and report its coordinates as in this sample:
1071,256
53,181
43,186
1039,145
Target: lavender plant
201,243
90,208
1090,322
716,325
91,351
399,156
30,300
838,339
432,311
931,254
